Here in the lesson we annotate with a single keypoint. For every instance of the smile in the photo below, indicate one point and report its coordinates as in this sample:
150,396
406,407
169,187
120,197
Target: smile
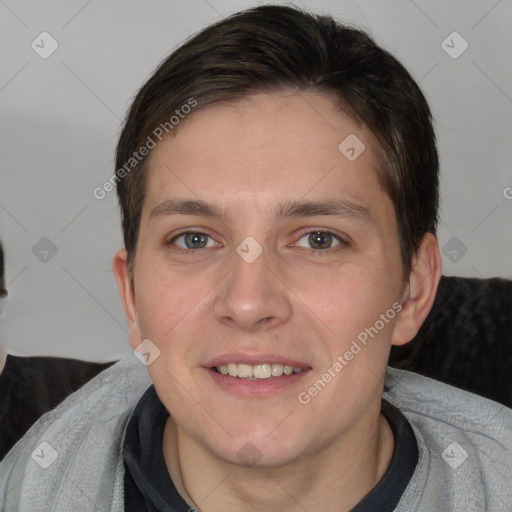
257,371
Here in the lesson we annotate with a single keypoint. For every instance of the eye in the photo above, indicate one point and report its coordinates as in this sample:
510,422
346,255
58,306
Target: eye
319,240
193,240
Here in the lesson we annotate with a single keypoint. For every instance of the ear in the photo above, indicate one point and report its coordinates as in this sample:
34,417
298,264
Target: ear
120,268
420,292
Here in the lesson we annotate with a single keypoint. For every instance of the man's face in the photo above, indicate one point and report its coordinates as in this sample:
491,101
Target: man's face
210,298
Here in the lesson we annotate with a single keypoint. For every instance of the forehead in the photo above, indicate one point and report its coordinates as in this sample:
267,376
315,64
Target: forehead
264,149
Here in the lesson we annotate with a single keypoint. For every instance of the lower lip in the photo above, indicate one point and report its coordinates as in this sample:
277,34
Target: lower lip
260,388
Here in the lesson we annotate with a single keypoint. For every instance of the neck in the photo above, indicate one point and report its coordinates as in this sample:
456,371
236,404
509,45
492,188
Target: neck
336,477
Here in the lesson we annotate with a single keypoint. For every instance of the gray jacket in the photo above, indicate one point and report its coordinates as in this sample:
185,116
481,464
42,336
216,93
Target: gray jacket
71,459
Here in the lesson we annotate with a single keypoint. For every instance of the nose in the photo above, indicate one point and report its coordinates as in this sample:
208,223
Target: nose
252,296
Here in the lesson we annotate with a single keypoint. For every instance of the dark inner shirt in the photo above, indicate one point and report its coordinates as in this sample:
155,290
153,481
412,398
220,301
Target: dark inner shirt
148,486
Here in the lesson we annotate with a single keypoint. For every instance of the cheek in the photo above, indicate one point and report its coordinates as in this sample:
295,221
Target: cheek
337,296
350,307
161,301
172,312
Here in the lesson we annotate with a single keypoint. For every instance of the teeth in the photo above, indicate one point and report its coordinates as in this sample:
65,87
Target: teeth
288,370
262,371
245,370
233,369
258,371
277,370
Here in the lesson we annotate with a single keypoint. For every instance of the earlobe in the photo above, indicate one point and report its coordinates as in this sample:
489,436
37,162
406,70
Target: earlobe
120,268
135,335
420,292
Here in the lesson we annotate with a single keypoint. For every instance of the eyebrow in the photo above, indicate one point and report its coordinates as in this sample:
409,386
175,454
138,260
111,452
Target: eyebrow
342,208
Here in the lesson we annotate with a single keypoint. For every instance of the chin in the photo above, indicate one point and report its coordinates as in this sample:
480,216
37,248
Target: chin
253,448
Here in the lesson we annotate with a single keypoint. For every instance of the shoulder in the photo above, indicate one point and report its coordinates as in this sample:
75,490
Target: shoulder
79,441
32,386
464,443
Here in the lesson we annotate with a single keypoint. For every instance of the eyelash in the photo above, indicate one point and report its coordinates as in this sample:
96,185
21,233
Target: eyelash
318,252
321,252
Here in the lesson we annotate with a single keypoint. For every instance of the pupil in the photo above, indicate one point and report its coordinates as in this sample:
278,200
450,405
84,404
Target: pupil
320,240
195,240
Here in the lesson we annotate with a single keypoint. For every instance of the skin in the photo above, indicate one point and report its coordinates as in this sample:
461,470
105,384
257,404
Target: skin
295,301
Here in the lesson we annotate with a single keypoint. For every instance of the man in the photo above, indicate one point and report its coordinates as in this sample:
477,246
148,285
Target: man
278,181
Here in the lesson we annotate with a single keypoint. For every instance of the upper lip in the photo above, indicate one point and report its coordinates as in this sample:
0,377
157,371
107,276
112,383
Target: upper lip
254,359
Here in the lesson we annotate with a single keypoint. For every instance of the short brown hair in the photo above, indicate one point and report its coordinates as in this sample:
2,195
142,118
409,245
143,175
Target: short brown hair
272,47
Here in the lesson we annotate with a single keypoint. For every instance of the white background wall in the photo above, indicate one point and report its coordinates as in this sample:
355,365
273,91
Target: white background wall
60,118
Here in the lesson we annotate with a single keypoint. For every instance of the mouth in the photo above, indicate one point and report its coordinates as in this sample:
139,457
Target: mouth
260,371
256,375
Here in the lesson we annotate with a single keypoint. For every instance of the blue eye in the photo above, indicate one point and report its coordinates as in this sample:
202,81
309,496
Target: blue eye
319,240
316,240
193,240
